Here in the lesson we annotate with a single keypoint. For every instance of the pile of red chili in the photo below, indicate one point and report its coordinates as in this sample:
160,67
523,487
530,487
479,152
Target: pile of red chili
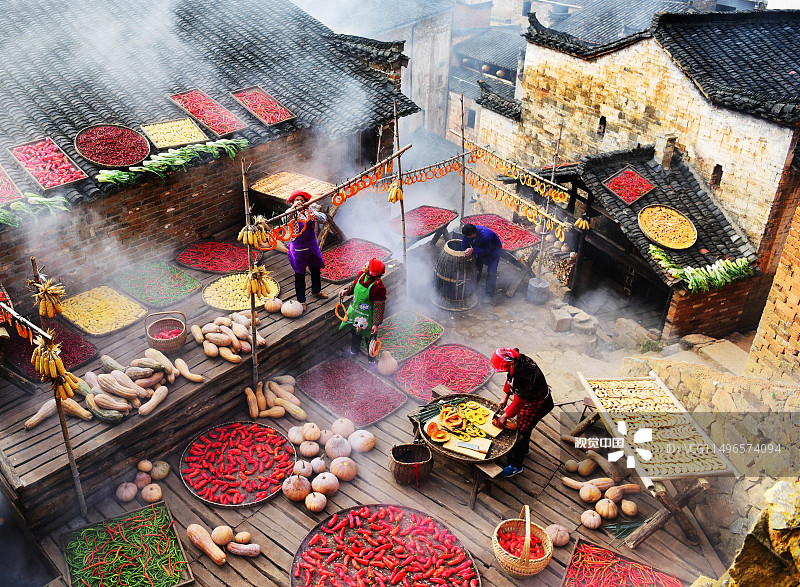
513,544
512,236
241,463
457,367
593,566
209,112
75,350
110,144
216,257
345,261
383,546
629,185
263,105
8,192
157,284
423,221
47,163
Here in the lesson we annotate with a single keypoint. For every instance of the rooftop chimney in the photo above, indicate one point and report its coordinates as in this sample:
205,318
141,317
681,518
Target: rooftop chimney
665,147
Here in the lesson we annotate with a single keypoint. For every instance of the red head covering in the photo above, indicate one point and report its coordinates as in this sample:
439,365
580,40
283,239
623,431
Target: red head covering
376,267
503,358
299,194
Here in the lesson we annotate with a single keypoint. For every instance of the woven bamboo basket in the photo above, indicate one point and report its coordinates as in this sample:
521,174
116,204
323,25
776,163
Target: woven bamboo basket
169,345
410,463
522,566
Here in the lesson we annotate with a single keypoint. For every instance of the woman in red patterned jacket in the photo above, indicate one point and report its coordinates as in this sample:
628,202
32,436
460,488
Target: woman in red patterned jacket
532,401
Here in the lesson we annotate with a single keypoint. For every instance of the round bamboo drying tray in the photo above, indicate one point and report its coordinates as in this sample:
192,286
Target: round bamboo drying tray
651,231
522,566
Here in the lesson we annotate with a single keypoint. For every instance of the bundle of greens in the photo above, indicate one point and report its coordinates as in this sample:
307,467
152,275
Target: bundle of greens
707,278
33,205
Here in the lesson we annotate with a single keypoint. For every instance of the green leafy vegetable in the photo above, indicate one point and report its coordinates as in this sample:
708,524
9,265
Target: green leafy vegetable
707,278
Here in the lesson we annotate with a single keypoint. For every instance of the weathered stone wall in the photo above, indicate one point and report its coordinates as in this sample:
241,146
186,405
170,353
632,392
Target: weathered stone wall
500,134
454,118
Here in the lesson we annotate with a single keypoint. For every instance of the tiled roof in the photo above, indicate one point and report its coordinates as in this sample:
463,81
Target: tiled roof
466,80
494,46
118,61
538,34
747,61
676,187
389,53
494,101
605,21
427,148
373,17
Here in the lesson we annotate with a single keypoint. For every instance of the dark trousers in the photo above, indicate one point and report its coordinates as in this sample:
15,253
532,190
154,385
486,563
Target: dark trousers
491,273
517,453
300,283
355,344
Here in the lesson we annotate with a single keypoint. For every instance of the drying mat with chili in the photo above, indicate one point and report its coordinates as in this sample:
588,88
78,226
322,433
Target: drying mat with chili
9,192
346,260
226,293
237,464
75,350
383,545
407,333
156,284
112,145
216,257
594,566
101,310
348,390
423,221
512,236
457,367
140,549
628,185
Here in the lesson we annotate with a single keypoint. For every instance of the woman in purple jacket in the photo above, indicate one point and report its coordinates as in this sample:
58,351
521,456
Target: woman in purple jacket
304,251
487,248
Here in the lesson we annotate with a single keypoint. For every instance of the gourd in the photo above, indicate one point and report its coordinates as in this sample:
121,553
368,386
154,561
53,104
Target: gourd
316,502
107,416
261,399
200,537
109,364
325,483
142,479
73,408
218,338
151,493
303,468
48,408
362,441
241,331
170,369
308,448
615,493
295,435
157,398
274,412
212,327
270,396
590,494
151,381
229,355
242,537
284,380
283,393
147,363
126,492
210,349
344,468
571,466
252,403
628,507
602,483
587,467
324,436
311,431
221,535
294,411
108,402
591,519
160,470
83,388
292,309
273,305
318,465
138,372
91,379
606,508
387,365
337,447
235,344
144,465
558,534
197,333
244,549
296,487
183,369
128,382
343,427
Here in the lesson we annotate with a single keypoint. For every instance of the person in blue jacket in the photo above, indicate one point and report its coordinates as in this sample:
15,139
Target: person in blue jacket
486,246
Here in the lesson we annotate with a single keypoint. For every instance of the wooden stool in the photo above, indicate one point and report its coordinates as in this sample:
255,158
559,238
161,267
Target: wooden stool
482,475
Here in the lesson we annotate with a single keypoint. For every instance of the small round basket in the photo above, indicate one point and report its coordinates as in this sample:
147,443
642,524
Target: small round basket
410,463
523,566
166,345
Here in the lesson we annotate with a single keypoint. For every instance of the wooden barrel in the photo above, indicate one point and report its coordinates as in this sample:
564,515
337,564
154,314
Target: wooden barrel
454,279
410,463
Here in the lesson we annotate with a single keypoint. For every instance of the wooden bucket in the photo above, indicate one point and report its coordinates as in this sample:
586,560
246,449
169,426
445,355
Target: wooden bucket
455,279
410,463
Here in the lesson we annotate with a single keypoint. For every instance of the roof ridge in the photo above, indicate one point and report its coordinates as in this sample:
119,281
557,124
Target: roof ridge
698,19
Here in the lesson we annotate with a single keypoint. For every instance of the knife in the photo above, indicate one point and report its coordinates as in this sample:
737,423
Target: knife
472,446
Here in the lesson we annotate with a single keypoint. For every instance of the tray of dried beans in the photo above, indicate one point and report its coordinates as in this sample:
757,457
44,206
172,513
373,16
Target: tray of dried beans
215,117
512,236
47,164
423,221
628,185
343,262
407,333
227,293
263,106
101,311
112,145
345,388
237,464
9,192
457,367
137,549
665,226
156,284
174,133
216,257
75,350
382,545
595,566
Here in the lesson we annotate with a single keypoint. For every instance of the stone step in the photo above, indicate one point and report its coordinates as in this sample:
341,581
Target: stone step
724,355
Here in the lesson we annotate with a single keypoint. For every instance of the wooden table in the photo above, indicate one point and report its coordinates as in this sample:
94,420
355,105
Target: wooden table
274,190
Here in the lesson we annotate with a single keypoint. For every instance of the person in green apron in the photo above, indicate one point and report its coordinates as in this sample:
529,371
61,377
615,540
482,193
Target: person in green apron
365,312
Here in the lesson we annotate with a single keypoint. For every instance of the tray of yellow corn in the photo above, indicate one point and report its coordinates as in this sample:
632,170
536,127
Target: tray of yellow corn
667,227
101,311
227,293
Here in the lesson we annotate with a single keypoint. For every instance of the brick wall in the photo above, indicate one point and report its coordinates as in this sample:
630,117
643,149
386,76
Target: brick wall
776,347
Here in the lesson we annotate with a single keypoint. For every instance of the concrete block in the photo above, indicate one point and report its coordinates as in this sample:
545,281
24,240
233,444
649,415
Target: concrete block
724,355
561,320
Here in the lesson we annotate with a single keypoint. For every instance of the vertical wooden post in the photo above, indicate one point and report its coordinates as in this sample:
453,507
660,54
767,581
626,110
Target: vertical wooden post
76,479
463,161
400,181
547,204
253,334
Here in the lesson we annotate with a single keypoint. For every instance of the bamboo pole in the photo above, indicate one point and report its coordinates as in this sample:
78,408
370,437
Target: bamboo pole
65,433
547,204
400,181
463,161
253,333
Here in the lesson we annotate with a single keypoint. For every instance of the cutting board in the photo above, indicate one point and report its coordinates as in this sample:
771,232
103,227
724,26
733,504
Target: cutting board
490,429
484,443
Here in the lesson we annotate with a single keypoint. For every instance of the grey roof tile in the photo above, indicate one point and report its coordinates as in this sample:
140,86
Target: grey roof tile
494,46
466,80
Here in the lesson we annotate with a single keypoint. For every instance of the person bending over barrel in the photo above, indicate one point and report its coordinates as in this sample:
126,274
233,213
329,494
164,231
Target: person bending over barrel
487,248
